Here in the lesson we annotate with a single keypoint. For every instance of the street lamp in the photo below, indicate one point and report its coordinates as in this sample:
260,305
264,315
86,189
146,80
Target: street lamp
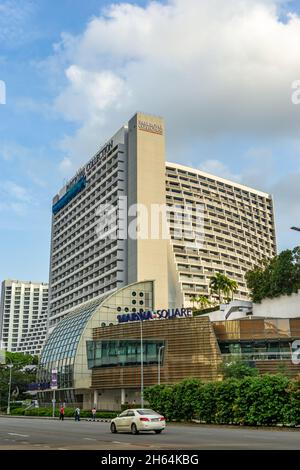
142,353
142,363
295,228
159,349
9,387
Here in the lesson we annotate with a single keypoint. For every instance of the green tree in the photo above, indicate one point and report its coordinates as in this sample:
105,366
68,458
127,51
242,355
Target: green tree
232,287
237,369
275,277
193,298
203,301
21,375
223,286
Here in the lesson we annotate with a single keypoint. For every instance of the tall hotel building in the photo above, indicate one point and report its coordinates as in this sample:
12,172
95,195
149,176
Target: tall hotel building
23,316
236,227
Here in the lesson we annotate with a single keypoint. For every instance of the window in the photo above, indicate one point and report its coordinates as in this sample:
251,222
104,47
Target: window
110,353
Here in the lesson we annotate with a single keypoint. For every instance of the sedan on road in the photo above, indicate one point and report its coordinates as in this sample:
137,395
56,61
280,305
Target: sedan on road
136,420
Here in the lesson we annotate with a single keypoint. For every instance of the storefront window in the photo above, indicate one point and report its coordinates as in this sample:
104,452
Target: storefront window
109,353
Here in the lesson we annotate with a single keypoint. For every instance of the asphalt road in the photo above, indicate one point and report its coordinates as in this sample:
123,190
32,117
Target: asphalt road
23,433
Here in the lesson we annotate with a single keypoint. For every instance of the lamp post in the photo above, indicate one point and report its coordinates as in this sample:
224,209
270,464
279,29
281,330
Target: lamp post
295,228
142,363
142,354
159,349
9,387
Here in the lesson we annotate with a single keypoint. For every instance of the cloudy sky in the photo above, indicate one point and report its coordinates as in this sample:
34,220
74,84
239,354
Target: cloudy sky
220,72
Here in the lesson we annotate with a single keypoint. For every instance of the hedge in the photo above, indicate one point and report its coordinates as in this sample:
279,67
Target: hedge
69,413
263,400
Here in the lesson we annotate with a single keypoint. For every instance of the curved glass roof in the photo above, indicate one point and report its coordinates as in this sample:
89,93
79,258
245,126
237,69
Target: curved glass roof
63,341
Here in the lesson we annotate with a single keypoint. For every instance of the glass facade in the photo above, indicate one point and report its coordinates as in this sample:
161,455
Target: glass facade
109,353
257,350
61,346
65,348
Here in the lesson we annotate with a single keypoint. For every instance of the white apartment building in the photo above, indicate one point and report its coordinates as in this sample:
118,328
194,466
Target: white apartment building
23,309
236,228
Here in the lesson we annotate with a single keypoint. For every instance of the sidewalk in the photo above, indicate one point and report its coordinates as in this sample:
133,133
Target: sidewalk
99,420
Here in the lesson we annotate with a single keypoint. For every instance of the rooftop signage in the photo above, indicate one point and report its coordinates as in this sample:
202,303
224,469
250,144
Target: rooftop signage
69,195
150,127
99,155
78,182
80,173
157,315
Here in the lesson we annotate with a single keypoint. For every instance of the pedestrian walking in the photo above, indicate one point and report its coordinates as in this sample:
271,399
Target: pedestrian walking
77,414
94,411
62,413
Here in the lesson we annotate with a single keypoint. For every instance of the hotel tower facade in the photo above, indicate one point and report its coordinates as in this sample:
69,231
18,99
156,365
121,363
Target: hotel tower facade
230,226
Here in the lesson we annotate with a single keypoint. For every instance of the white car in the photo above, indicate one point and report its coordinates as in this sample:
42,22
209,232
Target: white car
136,420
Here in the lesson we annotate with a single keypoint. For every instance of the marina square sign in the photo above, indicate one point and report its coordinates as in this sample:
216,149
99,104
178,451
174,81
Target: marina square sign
157,315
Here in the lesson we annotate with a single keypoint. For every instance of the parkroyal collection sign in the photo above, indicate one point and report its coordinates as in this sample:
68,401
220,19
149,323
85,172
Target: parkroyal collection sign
78,182
152,127
90,165
157,315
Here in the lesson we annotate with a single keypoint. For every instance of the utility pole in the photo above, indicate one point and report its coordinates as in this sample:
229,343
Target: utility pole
142,364
159,350
9,387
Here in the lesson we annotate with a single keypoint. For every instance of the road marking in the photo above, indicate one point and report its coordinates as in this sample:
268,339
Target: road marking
89,439
16,434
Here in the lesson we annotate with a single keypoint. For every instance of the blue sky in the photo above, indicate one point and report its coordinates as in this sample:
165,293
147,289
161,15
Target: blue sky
219,72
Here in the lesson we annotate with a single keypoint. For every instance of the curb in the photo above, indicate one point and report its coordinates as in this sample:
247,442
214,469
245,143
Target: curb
67,418
98,420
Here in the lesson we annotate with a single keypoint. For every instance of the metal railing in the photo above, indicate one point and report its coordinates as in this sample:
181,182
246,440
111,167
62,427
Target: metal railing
258,356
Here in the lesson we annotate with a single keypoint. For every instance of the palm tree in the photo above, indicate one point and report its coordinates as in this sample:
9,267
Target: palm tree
233,287
203,301
218,284
193,299
221,284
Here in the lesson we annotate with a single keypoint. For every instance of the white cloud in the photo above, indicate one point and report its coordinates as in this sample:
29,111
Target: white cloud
15,191
98,91
11,151
209,67
65,165
14,198
14,17
216,167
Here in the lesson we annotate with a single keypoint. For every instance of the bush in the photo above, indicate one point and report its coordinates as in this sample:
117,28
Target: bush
258,400
69,413
237,369
261,400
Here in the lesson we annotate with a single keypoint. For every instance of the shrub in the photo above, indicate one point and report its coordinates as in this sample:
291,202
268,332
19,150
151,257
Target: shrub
258,400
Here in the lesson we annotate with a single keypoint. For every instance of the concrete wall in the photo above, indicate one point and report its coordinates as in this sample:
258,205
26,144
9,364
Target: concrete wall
286,306
147,257
110,400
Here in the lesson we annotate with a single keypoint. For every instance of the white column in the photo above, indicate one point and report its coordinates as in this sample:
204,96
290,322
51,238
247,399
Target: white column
123,397
95,404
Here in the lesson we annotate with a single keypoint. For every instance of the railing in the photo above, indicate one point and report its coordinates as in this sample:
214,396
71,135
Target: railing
257,356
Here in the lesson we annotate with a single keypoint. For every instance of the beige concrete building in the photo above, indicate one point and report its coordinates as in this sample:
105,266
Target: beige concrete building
109,226
23,315
236,230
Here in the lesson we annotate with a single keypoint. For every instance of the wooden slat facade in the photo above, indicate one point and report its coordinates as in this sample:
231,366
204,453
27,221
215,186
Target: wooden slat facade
252,329
191,350
278,366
